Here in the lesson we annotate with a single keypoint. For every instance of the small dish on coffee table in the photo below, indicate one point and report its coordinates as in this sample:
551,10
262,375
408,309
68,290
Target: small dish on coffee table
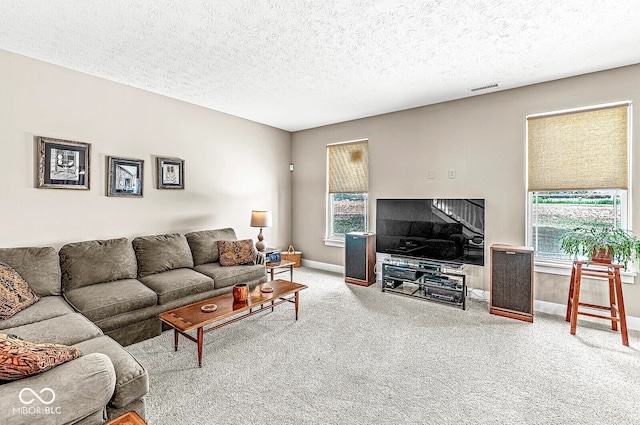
267,289
208,308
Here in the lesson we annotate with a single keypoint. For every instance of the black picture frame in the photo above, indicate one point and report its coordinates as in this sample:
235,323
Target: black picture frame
170,173
125,177
62,164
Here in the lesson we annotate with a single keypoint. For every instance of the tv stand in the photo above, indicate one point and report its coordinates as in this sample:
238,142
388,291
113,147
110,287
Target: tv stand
441,282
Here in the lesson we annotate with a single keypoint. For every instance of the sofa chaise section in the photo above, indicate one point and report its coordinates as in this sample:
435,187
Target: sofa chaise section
86,388
81,387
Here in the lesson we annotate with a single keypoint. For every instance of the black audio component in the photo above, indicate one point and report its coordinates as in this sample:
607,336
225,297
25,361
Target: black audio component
426,280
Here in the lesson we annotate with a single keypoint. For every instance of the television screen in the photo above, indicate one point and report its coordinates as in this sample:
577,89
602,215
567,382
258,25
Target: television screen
443,230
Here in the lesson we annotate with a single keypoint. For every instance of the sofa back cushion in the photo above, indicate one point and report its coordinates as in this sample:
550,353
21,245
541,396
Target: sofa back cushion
204,244
421,229
90,262
159,253
394,227
39,267
445,230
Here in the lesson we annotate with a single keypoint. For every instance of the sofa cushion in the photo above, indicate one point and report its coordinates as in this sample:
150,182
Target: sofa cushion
159,253
445,230
233,253
174,284
132,380
421,229
67,330
46,308
38,266
97,302
204,244
20,358
15,293
229,276
82,388
394,227
89,262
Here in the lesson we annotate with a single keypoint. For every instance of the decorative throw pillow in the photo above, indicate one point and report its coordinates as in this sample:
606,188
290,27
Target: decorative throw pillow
15,293
20,358
233,253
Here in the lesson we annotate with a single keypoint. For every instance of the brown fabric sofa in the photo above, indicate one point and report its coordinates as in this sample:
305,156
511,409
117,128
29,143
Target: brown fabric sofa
101,295
122,286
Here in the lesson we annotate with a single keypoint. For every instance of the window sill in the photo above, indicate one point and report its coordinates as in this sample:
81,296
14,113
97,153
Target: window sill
564,269
339,243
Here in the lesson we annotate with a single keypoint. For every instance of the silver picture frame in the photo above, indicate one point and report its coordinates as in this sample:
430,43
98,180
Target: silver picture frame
170,173
125,177
62,164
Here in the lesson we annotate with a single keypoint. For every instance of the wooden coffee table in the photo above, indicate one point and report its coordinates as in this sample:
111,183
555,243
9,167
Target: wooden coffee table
190,317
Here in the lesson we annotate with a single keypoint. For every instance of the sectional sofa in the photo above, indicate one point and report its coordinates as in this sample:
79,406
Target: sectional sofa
99,296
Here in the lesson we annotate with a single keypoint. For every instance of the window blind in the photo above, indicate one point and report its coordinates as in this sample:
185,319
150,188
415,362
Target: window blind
348,167
580,150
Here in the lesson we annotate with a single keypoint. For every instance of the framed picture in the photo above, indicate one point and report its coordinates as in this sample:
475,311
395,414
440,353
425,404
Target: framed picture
125,177
170,173
62,164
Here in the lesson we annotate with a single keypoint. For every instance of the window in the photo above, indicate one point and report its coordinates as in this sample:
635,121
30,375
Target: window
347,189
578,173
553,213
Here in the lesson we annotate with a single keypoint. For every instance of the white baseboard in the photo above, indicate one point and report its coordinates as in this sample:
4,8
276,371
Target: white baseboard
323,266
480,294
549,307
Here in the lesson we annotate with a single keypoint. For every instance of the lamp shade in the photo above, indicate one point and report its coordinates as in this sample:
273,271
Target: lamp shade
261,219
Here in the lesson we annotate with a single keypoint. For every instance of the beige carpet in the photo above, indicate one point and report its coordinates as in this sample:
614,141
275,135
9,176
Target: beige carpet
360,356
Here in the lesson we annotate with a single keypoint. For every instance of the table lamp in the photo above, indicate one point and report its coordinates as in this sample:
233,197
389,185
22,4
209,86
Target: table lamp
261,219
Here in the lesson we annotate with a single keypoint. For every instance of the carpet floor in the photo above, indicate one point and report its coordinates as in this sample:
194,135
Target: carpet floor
361,356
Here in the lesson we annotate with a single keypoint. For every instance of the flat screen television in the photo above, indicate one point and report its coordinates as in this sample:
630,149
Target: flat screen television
442,230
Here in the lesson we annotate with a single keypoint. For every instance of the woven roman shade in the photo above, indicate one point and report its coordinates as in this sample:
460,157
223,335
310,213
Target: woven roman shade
580,150
348,167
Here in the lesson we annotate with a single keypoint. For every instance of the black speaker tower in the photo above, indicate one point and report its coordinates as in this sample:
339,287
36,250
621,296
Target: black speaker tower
360,258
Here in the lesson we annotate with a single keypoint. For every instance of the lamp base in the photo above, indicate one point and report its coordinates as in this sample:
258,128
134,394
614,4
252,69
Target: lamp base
261,245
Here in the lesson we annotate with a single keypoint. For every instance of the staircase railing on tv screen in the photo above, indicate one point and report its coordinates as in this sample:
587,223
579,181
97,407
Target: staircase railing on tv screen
464,211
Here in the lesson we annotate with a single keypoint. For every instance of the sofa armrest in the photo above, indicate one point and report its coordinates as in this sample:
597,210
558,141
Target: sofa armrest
64,394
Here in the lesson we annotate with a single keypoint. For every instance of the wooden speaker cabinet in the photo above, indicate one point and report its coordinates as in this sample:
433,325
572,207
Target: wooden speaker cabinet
512,282
360,258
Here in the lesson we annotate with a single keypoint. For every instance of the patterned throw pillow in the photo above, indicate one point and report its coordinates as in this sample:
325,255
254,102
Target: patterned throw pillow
19,358
233,253
15,293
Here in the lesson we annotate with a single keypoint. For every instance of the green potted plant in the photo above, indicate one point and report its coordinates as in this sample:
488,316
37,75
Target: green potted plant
605,244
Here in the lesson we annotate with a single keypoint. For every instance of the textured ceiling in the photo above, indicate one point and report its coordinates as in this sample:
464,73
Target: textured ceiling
299,64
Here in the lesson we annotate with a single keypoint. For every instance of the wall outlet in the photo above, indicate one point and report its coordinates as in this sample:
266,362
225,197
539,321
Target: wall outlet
452,173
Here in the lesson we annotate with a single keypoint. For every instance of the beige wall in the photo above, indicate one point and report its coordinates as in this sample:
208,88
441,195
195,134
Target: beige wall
482,138
232,165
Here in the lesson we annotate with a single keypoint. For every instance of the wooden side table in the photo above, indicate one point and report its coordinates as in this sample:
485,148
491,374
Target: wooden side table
271,267
129,418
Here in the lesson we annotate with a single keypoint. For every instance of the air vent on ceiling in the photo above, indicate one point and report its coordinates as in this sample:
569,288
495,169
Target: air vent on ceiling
487,87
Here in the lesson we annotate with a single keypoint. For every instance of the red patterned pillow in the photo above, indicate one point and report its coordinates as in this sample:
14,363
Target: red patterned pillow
233,253
19,358
15,293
